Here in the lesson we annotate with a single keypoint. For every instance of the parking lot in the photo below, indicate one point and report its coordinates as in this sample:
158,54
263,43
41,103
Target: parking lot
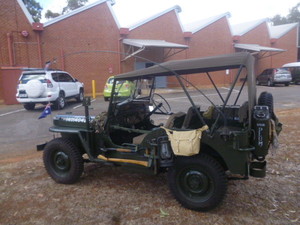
109,195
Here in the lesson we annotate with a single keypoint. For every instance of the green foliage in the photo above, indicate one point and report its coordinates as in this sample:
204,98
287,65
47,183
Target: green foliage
73,4
292,17
49,14
34,9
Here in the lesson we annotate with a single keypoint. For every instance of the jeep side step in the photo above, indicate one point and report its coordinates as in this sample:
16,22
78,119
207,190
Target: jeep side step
131,161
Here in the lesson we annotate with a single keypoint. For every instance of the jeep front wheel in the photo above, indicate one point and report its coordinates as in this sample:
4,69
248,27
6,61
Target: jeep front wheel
198,183
63,161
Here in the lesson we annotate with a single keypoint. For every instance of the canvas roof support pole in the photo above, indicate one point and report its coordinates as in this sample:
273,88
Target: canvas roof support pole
240,91
211,80
191,100
232,86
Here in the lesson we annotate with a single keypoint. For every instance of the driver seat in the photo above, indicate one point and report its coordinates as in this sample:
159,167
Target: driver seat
175,120
191,121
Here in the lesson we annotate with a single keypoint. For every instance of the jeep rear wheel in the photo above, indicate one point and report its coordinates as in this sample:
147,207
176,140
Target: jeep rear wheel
198,183
63,161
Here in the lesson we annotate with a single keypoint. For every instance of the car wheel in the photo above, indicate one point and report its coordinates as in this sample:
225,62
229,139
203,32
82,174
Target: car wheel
63,161
80,96
29,106
198,183
270,83
60,101
286,84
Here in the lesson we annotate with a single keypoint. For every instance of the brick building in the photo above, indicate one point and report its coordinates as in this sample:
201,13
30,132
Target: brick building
90,44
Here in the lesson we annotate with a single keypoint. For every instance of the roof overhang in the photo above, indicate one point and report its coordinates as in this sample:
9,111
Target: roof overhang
142,44
260,51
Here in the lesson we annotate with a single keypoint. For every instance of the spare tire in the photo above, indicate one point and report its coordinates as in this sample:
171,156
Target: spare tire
266,99
34,88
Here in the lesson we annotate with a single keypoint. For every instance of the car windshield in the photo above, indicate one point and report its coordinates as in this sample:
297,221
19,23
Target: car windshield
35,76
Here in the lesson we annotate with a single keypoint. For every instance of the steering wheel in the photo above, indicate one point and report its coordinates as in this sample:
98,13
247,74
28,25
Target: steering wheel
161,104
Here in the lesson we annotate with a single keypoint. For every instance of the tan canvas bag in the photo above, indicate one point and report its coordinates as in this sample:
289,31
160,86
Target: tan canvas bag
185,143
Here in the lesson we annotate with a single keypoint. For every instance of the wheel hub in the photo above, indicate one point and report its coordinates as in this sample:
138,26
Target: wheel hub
196,182
61,161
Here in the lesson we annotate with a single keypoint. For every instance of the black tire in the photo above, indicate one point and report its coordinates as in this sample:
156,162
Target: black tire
63,161
266,98
286,84
80,96
29,106
198,183
60,102
270,83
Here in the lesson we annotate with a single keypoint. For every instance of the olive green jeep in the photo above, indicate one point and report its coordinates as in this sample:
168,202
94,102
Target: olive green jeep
211,137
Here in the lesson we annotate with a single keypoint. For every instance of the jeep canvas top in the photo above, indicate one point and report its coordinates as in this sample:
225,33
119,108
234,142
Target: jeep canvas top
212,135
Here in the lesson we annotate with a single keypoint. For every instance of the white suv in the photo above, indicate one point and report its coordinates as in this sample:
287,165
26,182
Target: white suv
43,86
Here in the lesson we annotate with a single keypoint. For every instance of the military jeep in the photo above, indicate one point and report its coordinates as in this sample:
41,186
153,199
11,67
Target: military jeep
200,146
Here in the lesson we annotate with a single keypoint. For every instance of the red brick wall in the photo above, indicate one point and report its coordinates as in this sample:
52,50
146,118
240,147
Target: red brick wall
165,27
25,49
259,35
287,42
212,40
81,45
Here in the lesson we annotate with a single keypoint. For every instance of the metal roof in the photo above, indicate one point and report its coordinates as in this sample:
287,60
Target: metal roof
280,30
257,48
140,43
196,26
243,28
176,8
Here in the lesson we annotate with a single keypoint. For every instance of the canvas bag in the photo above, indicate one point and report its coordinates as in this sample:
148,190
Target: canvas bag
185,143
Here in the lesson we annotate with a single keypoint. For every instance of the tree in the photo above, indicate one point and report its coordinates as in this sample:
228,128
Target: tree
34,9
49,14
73,4
292,17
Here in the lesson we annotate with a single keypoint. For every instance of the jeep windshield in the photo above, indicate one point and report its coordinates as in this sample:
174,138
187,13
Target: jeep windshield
139,89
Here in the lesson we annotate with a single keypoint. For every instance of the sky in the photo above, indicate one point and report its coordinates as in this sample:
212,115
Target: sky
130,12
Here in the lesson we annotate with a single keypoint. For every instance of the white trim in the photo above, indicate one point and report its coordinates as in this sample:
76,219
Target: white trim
76,11
113,13
176,8
25,10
